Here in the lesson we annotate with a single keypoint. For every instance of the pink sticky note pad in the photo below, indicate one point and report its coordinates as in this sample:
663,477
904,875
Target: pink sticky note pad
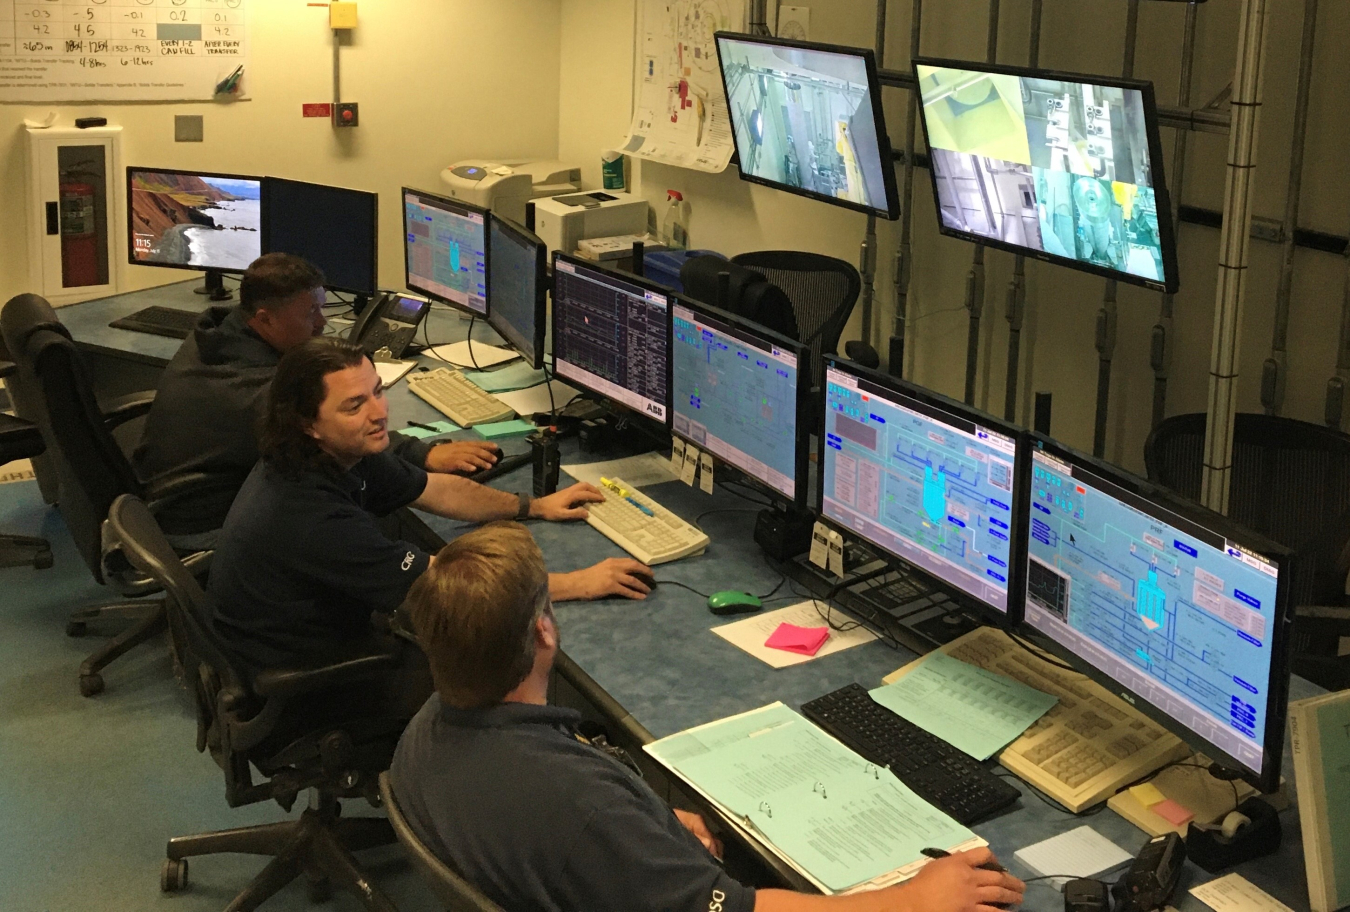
1172,812
801,640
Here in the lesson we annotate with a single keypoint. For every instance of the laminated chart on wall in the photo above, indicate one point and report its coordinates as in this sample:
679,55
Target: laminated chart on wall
680,117
119,50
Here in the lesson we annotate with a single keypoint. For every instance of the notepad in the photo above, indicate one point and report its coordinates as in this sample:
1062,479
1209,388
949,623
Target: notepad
545,397
1082,852
458,354
513,428
392,372
1235,893
801,640
439,428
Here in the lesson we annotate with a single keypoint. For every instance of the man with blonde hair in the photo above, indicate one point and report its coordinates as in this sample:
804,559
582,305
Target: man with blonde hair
503,788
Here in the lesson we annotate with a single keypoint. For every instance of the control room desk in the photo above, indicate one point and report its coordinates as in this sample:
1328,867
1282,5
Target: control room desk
652,668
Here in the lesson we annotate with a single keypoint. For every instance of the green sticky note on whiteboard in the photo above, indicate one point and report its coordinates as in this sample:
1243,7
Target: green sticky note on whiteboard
498,429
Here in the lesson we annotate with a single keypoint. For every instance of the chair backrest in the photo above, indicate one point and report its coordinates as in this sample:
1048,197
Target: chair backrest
749,294
822,290
1290,482
56,393
24,396
454,891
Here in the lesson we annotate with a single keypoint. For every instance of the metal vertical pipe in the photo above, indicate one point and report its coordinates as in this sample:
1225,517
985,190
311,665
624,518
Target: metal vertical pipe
759,20
1017,288
975,278
895,357
1106,317
1160,347
1235,238
1275,371
1335,404
867,255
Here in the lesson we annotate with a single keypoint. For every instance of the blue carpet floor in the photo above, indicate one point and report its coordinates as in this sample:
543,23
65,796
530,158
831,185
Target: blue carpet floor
90,789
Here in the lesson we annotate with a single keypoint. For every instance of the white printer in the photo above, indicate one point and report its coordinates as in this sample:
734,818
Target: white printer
505,189
562,221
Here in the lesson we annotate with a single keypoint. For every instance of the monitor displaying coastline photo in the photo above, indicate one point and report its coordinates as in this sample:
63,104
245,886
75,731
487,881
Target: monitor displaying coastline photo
195,221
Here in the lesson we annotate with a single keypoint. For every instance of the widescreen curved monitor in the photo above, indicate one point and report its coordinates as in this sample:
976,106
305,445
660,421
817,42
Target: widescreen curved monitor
1055,166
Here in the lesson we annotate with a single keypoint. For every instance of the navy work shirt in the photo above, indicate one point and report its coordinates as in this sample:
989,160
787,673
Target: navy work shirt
301,563
539,820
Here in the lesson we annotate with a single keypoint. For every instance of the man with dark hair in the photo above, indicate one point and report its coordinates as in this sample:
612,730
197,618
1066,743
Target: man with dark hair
504,789
301,561
212,394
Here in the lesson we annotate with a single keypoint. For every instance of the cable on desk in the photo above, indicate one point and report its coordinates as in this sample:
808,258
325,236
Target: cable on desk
699,517
732,485
667,582
1043,656
472,359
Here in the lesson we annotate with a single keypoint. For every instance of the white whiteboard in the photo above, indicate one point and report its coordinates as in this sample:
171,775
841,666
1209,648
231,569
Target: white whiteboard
119,50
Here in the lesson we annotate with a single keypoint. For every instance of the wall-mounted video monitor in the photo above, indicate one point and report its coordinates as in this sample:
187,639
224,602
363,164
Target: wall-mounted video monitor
807,118
1056,166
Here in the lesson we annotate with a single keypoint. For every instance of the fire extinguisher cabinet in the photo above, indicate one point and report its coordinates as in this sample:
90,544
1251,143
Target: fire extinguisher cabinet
76,220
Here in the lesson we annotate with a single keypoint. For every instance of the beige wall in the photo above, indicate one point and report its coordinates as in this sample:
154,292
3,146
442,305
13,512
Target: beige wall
437,80
1058,353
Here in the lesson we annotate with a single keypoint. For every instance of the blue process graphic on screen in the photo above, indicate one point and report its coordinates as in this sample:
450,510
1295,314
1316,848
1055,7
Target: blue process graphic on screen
737,399
804,118
1183,622
446,252
1052,165
935,492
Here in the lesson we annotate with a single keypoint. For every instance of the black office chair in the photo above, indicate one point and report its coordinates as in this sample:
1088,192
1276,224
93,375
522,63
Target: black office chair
1291,483
453,891
55,393
241,725
20,439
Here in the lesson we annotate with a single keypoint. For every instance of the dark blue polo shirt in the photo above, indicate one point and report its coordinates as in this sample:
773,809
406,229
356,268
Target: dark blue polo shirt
300,563
539,820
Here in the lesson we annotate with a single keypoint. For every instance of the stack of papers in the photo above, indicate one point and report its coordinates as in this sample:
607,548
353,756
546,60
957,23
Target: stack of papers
1078,853
974,710
483,355
842,823
639,471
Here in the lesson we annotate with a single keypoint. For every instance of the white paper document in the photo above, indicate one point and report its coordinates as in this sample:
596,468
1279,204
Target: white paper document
1078,853
536,399
1235,893
484,355
392,372
750,634
638,471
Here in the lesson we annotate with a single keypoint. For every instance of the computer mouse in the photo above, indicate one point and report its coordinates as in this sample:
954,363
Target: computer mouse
729,601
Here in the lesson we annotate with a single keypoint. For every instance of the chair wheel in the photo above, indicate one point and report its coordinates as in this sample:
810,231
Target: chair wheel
173,875
319,890
91,685
76,628
43,561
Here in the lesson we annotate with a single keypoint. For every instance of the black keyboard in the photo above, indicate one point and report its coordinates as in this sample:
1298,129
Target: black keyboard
947,778
160,321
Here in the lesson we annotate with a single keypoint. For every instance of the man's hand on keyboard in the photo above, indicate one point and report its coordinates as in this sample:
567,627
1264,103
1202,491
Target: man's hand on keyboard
567,504
614,576
959,884
462,457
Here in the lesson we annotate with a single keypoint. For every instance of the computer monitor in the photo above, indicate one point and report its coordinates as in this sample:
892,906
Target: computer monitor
611,335
738,392
1174,608
927,480
807,118
334,228
445,248
1056,166
194,219
518,288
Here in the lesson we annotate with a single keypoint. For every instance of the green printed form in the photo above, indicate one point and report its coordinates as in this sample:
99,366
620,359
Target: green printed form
974,710
840,818
1333,723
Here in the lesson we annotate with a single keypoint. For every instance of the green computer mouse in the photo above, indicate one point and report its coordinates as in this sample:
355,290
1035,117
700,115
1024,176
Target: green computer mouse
729,601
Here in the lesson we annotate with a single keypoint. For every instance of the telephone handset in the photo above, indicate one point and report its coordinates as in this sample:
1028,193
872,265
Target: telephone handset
390,322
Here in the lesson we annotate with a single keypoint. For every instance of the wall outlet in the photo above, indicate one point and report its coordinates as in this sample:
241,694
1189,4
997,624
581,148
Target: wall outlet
345,114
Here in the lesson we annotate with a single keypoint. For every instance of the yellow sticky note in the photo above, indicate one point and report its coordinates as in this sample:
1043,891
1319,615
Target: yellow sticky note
1148,794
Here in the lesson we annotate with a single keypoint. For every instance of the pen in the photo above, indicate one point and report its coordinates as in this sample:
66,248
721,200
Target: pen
424,427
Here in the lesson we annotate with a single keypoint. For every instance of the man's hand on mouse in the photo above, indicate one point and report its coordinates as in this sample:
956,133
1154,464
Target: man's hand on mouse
460,457
959,883
620,576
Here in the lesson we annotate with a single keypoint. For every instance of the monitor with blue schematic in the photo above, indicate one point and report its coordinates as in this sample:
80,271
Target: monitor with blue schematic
928,480
611,335
1168,604
737,393
445,248
517,288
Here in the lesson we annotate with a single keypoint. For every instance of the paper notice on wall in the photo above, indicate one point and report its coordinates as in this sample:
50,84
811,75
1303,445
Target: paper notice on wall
146,50
681,113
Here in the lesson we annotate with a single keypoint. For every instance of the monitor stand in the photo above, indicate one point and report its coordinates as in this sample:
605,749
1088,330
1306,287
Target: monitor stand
611,430
214,286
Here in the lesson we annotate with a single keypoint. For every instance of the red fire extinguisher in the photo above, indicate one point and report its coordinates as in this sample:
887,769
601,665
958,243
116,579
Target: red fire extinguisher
80,238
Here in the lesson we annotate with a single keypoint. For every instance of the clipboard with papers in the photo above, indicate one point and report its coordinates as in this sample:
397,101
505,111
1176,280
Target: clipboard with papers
844,824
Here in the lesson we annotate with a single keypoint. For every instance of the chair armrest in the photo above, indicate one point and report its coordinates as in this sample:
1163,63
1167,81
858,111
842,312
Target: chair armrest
7,368
290,682
124,408
168,493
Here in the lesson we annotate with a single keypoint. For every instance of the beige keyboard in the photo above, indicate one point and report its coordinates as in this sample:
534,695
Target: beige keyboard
655,536
455,397
1088,745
